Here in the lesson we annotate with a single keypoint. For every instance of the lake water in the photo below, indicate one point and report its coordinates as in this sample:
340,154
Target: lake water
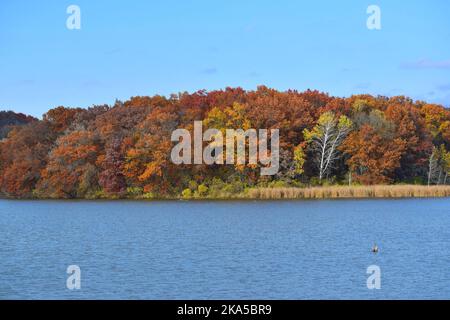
225,250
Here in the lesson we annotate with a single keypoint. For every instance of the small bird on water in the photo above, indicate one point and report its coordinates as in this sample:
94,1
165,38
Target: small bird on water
375,248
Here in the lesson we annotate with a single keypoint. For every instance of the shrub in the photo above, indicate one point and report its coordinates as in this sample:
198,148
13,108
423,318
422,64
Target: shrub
202,190
193,185
134,191
149,195
187,193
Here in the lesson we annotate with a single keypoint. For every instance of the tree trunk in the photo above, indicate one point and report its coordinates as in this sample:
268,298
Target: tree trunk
430,164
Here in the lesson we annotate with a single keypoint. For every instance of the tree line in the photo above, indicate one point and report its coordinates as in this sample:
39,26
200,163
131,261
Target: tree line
123,150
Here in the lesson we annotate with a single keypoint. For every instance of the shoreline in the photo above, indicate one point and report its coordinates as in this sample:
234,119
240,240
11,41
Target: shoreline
289,193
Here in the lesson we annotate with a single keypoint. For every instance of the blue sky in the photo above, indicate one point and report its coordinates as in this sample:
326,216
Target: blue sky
129,48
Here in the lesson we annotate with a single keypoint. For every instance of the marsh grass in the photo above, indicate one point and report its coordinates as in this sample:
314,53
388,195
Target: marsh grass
336,192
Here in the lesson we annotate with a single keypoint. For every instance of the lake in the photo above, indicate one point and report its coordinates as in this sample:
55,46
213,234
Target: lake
225,250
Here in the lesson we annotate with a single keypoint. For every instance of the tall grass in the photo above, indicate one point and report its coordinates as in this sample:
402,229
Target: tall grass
335,192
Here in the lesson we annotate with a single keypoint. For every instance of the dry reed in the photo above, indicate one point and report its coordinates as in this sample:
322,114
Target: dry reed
335,192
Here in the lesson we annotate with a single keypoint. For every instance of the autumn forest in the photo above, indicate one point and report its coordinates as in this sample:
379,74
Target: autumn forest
123,150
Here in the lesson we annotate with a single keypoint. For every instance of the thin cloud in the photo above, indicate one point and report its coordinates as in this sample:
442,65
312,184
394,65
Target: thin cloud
91,83
427,64
112,51
445,100
23,82
212,49
346,69
254,74
363,85
444,87
209,71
